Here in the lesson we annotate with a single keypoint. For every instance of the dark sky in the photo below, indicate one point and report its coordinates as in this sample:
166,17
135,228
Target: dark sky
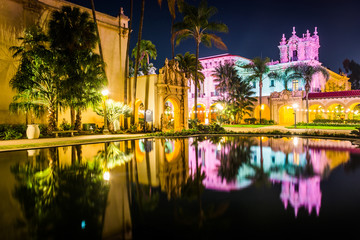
255,27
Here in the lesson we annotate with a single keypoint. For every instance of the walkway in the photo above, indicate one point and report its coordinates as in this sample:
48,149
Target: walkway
20,144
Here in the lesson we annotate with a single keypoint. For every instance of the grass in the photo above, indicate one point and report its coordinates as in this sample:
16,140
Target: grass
323,127
246,125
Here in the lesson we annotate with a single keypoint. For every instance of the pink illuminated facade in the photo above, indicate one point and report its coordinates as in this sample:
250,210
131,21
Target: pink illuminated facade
275,99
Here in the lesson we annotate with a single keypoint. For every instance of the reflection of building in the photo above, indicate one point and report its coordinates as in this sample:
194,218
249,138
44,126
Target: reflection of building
332,99
302,193
297,164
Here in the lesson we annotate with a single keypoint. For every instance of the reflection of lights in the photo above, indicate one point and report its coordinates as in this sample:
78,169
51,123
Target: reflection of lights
219,147
106,176
83,224
105,92
295,141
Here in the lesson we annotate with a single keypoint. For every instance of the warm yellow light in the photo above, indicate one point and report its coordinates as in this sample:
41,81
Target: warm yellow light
262,106
105,92
295,105
219,106
106,176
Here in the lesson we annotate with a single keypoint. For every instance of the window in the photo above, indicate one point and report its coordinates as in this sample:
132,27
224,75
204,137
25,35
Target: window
254,84
273,159
295,85
272,83
295,57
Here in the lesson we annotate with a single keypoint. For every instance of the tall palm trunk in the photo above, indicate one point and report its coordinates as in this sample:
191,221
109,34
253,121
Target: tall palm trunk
172,40
307,88
260,95
72,116
127,58
51,119
137,58
97,30
77,125
196,77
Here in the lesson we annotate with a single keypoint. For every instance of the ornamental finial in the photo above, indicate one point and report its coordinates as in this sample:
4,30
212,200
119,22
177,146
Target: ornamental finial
316,32
293,32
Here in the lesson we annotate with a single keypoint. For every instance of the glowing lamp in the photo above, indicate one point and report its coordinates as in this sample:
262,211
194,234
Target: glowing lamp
106,176
105,92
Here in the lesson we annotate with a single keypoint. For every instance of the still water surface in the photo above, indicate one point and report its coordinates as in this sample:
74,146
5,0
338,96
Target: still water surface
205,188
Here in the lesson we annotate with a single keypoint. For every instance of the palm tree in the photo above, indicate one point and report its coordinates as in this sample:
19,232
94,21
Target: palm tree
137,58
225,76
172,9
306,71
73,36
187,64
147,52
196,25
37,75
259,70
236,92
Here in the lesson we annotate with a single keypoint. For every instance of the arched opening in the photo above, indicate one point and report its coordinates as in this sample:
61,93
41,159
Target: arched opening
201,113
214,113
316,111
354,112
139,112
336,112
265,112
171,115
286,115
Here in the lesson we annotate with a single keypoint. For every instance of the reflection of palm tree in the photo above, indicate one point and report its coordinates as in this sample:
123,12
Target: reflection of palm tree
260,177
112,156
61,200
233,154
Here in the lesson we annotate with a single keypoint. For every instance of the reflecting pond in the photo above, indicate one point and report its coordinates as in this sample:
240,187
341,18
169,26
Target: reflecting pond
188,188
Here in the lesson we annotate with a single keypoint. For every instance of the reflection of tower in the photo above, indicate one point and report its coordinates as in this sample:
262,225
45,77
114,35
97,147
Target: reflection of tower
302,193
172,156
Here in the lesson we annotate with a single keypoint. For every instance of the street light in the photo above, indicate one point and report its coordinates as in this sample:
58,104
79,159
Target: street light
105,93
295,106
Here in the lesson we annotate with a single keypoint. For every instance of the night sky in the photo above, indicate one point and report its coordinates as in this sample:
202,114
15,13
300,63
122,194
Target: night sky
255,27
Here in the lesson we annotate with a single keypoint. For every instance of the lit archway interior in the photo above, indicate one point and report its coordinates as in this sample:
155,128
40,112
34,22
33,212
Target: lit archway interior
139,111
286,115
336,112
316,112
171,114
201,113
265,112
214,113
354,112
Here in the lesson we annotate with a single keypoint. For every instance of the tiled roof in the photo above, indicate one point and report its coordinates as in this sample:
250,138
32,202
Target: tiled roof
340,94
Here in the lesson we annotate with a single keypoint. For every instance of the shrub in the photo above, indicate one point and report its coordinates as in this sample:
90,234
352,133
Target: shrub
12,131
65,125
250,120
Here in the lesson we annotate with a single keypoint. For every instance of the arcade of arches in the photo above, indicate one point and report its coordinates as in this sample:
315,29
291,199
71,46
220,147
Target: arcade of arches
286,107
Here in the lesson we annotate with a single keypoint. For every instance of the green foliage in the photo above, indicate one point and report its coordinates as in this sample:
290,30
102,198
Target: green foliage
213,128
65,125
147,52
12,131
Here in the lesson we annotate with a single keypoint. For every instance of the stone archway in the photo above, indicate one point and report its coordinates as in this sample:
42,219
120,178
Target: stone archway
201,113
286,115
172,95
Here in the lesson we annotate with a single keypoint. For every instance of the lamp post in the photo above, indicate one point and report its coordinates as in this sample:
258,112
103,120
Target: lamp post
295,106
105,93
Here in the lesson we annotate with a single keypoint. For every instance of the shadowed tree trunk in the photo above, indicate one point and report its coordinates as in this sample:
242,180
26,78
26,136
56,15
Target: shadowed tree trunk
137,59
